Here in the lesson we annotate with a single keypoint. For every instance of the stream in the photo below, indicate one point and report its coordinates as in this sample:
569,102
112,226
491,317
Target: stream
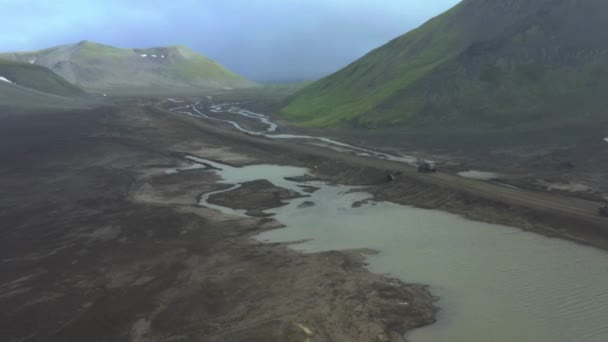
193,110
495,283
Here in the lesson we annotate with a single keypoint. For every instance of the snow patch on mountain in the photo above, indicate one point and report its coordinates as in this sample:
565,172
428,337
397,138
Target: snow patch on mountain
4,79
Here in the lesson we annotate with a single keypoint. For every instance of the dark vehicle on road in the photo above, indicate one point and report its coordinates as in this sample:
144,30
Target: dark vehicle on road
427,167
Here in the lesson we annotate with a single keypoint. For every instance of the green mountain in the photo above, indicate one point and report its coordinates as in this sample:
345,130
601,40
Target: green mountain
102,68
25,85
483,62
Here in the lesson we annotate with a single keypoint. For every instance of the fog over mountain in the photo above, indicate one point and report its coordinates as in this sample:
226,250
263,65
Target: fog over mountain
264,40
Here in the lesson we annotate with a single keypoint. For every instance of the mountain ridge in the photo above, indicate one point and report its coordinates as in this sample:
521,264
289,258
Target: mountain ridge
103,68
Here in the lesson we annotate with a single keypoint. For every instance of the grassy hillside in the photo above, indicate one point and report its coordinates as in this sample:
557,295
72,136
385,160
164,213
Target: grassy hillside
194,66
37,78
480,63
103,68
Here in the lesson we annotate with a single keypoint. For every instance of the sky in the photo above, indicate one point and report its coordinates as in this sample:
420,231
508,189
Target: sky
264,40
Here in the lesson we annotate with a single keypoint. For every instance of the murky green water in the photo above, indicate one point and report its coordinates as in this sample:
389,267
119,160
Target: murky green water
496,283
480,175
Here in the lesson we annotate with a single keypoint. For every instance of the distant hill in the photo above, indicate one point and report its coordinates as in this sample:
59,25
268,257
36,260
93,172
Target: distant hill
102,68
24,85
483,62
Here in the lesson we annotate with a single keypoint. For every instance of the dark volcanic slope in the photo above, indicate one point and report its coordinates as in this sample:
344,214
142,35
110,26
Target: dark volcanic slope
104,68
482,62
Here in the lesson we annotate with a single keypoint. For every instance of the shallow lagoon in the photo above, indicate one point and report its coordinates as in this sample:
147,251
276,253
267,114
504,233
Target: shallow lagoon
495,283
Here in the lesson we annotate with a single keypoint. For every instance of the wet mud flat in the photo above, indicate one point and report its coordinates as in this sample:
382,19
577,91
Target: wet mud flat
99,243
562,157
479,270
491,201
456,195
255,197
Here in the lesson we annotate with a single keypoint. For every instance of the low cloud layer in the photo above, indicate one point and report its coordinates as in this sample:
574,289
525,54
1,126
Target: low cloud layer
265,40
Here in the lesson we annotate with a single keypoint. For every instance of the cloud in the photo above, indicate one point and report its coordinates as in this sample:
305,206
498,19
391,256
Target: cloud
261,39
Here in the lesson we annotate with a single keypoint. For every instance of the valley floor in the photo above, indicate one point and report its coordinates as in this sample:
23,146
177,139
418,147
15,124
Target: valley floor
100,243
